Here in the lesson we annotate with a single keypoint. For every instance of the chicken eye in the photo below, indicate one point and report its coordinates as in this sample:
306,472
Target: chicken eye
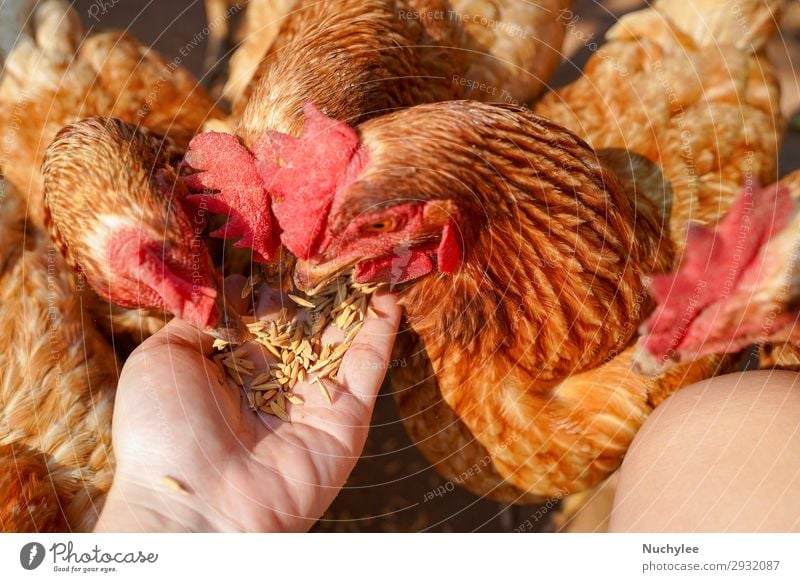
380,226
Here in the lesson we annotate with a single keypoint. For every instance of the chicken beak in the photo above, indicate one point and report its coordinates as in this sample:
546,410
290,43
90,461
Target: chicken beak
309,275
231,328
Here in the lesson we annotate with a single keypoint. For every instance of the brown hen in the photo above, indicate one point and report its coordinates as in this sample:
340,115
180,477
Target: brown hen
58,377
55,76
520,258
512,47
116,207
694,93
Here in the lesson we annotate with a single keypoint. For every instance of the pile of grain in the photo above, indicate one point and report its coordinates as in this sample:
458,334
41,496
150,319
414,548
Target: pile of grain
296,343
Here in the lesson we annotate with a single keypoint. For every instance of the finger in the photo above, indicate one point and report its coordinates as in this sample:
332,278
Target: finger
180,334
366,361
272,301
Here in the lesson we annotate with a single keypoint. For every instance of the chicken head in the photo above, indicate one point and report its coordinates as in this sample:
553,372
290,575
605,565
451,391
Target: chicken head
307,181
118,209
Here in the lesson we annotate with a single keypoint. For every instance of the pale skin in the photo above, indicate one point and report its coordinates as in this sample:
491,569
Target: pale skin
719,456
177,417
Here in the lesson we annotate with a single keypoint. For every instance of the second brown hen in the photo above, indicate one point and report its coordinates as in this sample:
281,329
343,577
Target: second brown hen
54,76
686,84
520,259
116,206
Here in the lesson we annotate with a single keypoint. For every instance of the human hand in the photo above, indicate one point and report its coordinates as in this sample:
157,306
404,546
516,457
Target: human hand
179,420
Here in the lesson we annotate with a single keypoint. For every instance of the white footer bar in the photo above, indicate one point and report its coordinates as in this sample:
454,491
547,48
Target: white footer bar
398,557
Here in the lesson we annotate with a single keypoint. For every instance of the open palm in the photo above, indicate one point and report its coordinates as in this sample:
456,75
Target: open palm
191,455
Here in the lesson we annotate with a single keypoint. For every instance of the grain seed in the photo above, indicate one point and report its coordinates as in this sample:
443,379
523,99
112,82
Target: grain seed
295,341
279,412
323,390
174,484
302,302
295,399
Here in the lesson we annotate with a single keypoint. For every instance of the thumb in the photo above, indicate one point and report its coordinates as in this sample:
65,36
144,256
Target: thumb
365,364
177,334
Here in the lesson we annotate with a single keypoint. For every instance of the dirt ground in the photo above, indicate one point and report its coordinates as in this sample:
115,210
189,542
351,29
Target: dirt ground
387,491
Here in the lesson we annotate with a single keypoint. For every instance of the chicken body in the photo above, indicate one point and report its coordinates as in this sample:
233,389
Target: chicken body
511,48
58,377
530,336
54,77
687,85
530,340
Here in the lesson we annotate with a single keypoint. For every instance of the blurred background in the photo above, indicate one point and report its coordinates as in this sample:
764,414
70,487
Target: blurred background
388,490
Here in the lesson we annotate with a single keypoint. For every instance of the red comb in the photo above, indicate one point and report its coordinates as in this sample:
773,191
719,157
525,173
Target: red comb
229,168
713,263
304,173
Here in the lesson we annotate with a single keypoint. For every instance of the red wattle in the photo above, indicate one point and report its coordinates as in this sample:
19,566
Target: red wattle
448,256
406,265
150,278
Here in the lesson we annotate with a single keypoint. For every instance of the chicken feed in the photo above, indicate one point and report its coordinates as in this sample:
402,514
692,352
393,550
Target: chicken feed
296,342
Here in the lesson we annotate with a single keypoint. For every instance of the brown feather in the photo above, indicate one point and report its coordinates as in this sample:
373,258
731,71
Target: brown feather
58,78
57,382
678,84
29,502
439,433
